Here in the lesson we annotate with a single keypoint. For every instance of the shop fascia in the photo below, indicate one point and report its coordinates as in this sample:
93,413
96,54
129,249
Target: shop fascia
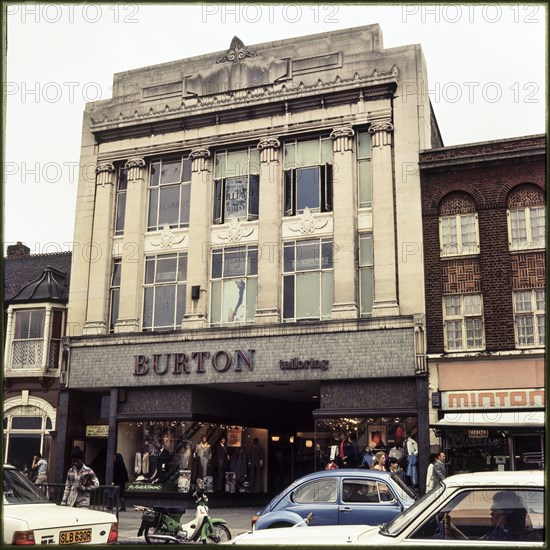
220,361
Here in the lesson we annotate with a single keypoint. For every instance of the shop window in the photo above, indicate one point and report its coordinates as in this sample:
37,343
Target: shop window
308,175
308,279
458,225
169,193
236,185
115,293
463,322
366,274
234,285
526,218
530,318
364,169
164,291
120,207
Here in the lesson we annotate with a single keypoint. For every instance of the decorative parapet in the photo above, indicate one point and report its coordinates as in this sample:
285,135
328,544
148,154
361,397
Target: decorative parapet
135,168
307,224
104,173
381,127
342,139
237,52
269,149
199,158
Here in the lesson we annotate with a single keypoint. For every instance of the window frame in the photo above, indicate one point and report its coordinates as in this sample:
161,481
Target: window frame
529,244
364,187
114,293
180,290
463,318
459,248
250,171
184,192
534,314
366,265
120,200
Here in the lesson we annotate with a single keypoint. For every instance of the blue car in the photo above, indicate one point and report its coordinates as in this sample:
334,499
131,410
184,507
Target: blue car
338,497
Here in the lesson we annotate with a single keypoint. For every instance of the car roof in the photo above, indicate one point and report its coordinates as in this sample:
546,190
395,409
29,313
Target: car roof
344,472
518,477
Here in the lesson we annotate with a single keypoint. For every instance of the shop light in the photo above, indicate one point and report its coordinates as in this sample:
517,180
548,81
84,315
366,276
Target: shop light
291,439
309,443
275,438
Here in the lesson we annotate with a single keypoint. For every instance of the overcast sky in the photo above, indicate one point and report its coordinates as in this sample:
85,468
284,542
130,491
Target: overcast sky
486,69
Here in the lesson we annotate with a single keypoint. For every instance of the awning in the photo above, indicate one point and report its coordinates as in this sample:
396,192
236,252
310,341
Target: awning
516,419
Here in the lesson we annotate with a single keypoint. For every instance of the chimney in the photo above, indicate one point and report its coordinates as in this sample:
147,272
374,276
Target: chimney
18,251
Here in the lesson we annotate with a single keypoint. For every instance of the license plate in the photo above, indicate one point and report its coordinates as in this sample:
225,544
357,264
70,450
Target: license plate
75,537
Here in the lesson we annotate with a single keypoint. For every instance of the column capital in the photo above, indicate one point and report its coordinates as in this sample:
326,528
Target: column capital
381,127
342,139
199,157
135,168
104,173
268,149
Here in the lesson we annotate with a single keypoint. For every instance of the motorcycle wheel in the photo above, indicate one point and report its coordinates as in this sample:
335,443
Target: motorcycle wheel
221,534
150,538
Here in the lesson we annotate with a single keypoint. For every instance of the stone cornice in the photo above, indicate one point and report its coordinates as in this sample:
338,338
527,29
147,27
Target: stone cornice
218,106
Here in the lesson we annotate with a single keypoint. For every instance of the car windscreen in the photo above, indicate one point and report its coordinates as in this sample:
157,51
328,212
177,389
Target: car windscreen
405,491
20,490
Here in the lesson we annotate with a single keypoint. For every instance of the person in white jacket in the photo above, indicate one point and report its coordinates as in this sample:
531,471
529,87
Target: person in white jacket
430,472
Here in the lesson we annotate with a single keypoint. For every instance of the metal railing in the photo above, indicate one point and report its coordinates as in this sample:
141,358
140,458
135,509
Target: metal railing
106,498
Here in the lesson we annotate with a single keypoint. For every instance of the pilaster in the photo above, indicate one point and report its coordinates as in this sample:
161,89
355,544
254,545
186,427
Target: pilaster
383,214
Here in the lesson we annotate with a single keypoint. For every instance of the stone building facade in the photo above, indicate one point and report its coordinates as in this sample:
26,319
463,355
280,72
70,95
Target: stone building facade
248,259
485,255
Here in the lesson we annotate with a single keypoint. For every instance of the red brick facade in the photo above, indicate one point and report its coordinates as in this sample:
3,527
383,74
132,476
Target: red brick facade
491,176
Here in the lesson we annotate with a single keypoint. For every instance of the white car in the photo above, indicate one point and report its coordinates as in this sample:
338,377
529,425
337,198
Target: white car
29,518
491,509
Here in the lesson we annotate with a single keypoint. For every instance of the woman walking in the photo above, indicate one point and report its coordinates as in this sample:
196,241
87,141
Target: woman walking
120,478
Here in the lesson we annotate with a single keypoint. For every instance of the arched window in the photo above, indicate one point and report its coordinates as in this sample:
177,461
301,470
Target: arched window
526,218
458,225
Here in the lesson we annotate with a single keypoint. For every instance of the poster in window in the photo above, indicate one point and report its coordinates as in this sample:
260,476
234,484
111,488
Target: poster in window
377,436
236,197
234,437
397,434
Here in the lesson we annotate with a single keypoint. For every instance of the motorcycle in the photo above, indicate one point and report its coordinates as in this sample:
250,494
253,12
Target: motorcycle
162,524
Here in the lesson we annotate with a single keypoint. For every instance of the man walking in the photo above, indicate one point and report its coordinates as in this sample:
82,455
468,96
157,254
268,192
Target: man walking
440,470
81,479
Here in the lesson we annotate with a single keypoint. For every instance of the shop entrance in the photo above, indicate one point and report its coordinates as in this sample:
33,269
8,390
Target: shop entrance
527,452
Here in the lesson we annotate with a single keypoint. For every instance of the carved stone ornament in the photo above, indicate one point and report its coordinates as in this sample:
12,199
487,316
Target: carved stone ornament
342,139
380,127
167,238
104,173
235,232
308,224
135,168
268,149
237,52
199,157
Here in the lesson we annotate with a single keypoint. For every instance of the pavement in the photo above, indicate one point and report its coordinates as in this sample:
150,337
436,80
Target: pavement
238,521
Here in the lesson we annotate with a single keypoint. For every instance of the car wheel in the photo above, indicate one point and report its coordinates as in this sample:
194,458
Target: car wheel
279,524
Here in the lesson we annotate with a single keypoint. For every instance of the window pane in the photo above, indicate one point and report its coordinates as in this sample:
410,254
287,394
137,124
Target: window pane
289,192
236,198
366,290
187,170
166,269
115,279
472,304
468,233
252,261
449,235
251,297
454,334
219,165
216,302
218,189
170,172
365,250
237,163
115,299
308,295
185,204
153,208
327,251
182,267
452,306
327,298
216,264
307,188
326,151
518,226
325,490
165,300
120,211
307,255
526,336
364,145
365,184
523,301
233,307
57,324
155,172
290,155
169,205
22,323
36,328
148,307
234,262
288,297
26,423
537,225
540,298
308,153
254,195
21,448
180,304
149,270
254,162
289,257
122,179
541,325
474,333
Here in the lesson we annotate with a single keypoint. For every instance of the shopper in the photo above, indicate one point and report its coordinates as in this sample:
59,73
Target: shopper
81,479
40,464
439,471
430,473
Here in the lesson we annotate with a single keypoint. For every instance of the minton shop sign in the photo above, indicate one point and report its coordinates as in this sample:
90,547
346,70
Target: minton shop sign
197,362
530,398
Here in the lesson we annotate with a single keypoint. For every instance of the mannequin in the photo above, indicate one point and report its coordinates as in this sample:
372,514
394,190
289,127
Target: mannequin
204,453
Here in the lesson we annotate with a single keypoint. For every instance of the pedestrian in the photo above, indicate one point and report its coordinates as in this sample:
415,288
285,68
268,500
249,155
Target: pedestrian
81,479
255,466
430,472
40,464
379,462
396,469
120,479
439,470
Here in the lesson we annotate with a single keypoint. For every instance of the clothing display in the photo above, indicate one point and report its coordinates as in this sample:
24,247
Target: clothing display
204,453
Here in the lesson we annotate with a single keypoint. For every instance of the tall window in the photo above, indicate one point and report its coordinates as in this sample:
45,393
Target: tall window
56,332
529,318
115,293
164,293
120,208
234,285
169,193
526,218
364,169
458,226
463,322
366,273
308,175
236,182
28,338
308,279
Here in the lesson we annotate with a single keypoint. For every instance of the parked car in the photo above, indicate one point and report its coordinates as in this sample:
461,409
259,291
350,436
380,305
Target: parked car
28,517
491,509
338,497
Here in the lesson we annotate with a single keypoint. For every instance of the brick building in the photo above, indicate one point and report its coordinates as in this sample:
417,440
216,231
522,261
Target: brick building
240,269
36,292
483,209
